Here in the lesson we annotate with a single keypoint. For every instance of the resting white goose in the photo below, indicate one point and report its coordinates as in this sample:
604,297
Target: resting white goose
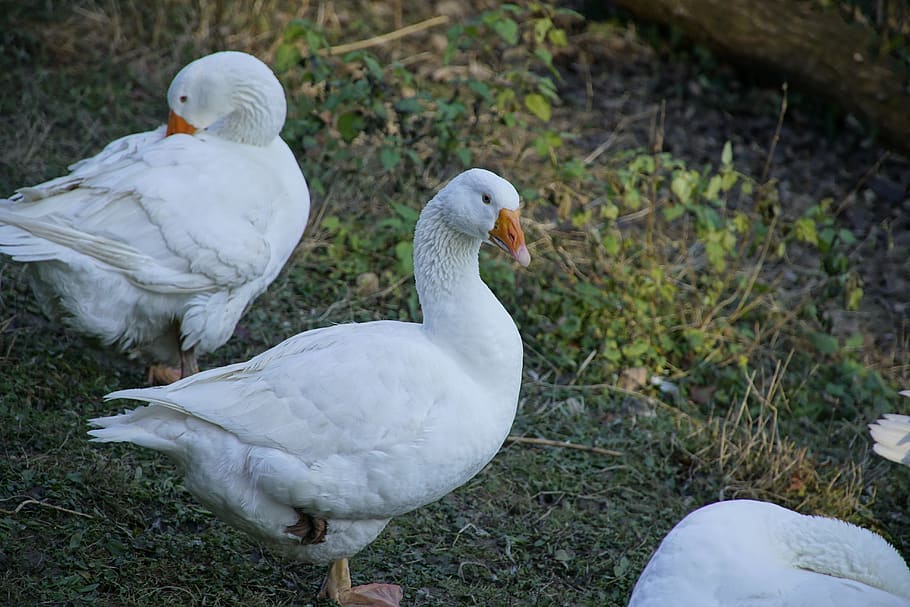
756,554
160,242
314,445
892,436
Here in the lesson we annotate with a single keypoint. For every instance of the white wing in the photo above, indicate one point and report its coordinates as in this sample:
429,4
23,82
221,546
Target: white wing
367,420
892,437
172,214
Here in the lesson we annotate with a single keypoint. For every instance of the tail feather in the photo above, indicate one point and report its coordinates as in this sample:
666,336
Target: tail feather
155,426
892,437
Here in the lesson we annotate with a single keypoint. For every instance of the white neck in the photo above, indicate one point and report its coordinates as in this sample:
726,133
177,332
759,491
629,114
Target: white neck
255,120
846,551
459,310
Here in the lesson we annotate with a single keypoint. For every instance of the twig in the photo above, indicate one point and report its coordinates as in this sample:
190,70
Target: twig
546,442
624,122
850,196
387,37
776,138
46,505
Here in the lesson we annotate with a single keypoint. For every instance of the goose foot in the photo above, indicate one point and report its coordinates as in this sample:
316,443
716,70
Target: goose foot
337,586
162,375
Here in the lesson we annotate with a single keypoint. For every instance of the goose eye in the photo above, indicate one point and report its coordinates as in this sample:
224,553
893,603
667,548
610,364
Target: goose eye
487,199
182,99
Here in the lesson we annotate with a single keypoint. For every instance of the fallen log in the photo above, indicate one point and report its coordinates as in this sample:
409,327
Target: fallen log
813,49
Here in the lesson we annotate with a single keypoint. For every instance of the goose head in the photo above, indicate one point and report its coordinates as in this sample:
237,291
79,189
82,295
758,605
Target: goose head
482,205
230,94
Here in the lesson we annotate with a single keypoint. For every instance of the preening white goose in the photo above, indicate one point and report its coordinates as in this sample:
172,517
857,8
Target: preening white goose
892,436
158,243
756,554
314,445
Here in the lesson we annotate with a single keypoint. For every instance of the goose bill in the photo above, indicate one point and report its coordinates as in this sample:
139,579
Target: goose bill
176,124
507,235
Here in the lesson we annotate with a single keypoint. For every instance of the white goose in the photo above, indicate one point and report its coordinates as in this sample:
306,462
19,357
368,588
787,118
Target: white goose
314,445
756,554
158,243
892,436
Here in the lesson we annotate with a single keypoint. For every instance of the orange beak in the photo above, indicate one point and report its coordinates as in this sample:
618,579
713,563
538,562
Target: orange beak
176,124
507,235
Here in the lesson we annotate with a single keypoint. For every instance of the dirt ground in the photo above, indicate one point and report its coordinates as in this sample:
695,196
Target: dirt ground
820,153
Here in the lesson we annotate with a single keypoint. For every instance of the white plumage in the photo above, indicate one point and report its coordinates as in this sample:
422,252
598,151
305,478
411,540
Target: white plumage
165,232
756,554
892,436
357,423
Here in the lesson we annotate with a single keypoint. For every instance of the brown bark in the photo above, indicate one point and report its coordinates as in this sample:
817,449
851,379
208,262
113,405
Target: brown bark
812,49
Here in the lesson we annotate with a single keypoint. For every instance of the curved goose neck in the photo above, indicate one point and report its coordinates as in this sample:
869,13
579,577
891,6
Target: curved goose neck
446,270
847,551
258,115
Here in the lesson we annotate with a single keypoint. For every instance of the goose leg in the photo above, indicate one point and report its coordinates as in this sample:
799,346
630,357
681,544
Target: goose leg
161,375
337,586
188,364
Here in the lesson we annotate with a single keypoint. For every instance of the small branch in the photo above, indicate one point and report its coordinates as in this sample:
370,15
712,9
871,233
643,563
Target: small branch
46,505
780,123
387,37
546,442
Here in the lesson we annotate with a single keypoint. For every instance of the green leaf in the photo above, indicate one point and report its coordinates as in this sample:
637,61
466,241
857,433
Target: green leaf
541,28
286,57
557,37
349,125
683,185
855,341
546,142
464,155
331,223
507,29
389,157
632,199
713,189
408,105
296,30
505,100
609,210
854,297
635,349
611,244
673,212
611,351
824,343
481,89
372,65
545,56
846,236
716,255
804,230
741,222
539,106
726,157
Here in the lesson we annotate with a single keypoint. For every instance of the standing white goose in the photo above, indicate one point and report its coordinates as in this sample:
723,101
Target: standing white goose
314,445
892,436
756,554
158,243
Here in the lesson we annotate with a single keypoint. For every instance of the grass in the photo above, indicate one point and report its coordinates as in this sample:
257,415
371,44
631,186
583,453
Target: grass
766,396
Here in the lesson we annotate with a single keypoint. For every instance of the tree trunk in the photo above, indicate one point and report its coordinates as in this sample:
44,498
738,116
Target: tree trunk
813,49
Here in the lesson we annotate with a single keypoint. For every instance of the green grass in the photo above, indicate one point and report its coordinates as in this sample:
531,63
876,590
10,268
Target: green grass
772,403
